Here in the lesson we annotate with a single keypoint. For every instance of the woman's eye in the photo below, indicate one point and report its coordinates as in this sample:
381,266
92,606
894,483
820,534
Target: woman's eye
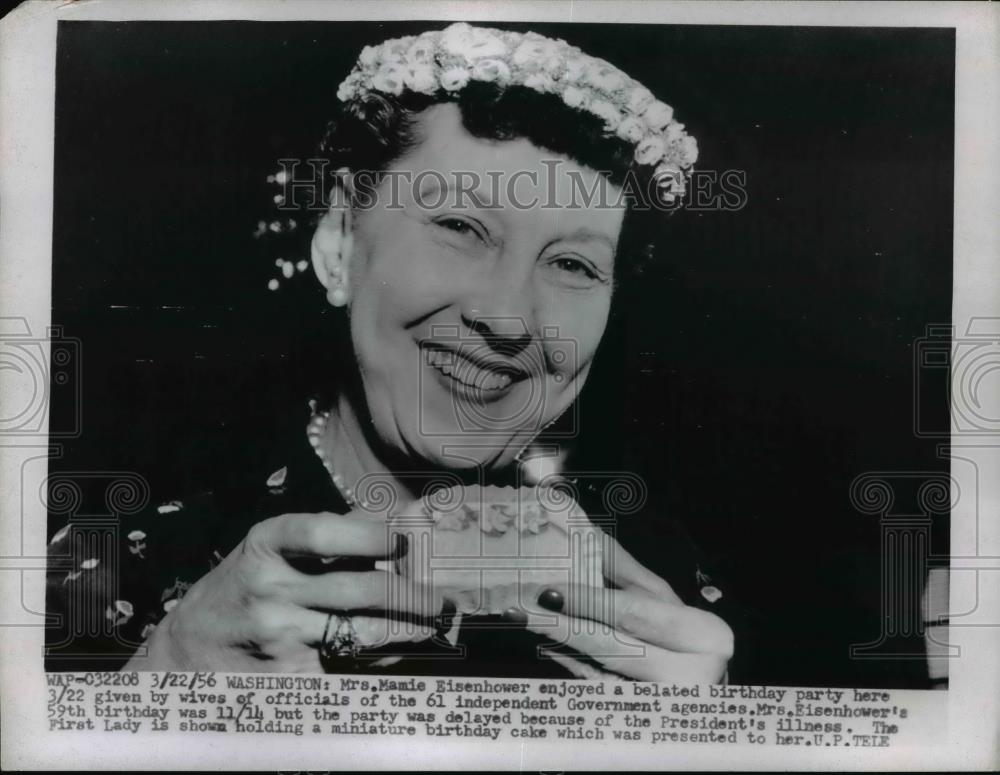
581,270
461,227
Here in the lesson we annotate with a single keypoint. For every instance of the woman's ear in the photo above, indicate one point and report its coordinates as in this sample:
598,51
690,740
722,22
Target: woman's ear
327,247
332,244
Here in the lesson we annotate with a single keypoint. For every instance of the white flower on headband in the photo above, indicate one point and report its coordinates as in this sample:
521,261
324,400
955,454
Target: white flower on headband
688,150
650,150
447,60
394,49
491,70
605,77
674,132
639,99
536,53
472,42
658,116
631,129
422,79
421,51
390,80
604,109
575,70
349,88
369,56
574,97
454,79
540,82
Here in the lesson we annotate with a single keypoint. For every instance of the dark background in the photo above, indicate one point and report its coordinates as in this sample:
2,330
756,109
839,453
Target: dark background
762,363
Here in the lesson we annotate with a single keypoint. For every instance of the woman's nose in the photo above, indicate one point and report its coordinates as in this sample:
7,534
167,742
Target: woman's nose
506,335
503,316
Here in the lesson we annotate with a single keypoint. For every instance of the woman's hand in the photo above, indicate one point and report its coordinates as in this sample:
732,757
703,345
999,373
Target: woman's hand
640,630
256,612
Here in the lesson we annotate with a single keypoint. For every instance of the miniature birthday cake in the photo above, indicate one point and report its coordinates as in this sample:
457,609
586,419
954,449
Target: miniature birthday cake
491,548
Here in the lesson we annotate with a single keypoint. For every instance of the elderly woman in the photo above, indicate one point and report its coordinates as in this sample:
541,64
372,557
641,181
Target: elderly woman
475,274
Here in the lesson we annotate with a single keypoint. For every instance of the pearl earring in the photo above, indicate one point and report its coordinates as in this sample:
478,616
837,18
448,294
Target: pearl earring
337,296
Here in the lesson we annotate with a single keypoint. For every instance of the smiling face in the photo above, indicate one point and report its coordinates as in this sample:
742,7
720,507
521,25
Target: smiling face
475,318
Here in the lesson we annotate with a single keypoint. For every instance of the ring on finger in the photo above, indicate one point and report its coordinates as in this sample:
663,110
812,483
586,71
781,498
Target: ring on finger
340,639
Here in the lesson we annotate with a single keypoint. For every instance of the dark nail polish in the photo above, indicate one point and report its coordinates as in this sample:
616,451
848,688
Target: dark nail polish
551,599
515,616
402,546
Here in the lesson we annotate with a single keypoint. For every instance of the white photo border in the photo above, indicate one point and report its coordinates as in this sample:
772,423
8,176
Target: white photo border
27,98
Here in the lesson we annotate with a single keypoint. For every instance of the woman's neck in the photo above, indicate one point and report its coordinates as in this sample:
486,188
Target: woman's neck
352,456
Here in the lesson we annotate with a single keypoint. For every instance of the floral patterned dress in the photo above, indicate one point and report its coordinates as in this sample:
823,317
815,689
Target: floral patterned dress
110,584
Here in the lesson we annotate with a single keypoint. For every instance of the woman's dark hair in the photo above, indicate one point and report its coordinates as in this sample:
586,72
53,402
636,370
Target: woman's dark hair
371,133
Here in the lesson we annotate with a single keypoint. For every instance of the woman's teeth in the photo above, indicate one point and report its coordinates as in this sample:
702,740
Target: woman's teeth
466,372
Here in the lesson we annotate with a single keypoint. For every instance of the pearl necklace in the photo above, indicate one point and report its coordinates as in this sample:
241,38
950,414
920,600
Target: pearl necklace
315,431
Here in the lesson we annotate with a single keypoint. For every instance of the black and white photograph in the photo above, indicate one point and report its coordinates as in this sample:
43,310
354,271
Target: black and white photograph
504,356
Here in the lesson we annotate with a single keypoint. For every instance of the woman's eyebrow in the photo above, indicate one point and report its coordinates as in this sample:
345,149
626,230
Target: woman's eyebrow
584,234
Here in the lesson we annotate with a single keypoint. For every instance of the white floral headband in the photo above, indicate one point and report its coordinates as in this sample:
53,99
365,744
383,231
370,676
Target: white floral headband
449,59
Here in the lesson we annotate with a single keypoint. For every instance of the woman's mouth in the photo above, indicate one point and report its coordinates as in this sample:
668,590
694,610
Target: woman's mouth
468,376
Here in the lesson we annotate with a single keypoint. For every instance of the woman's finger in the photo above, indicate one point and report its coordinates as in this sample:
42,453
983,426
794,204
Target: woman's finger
637,614
578,668
618,653
370,632
623,570
374,632
323,535
276,626
366,591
